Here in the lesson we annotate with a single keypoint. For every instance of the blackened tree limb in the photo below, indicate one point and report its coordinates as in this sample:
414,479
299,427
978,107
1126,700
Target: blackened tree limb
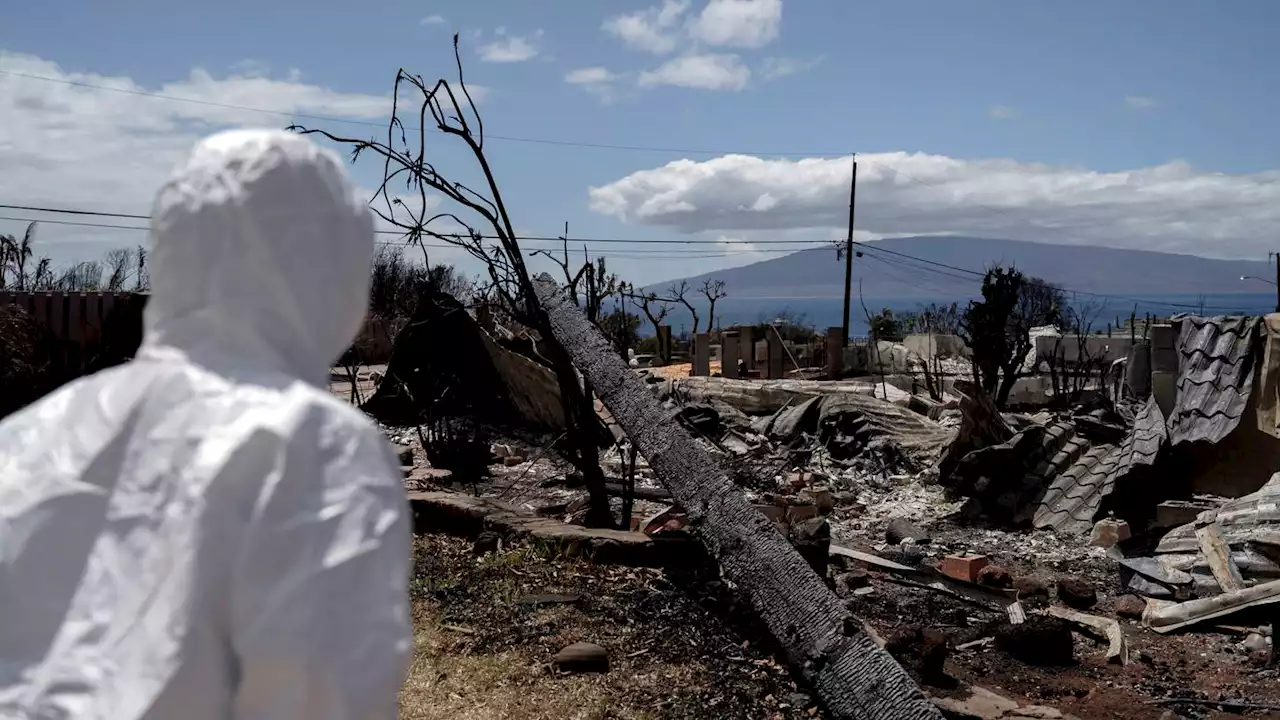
824,644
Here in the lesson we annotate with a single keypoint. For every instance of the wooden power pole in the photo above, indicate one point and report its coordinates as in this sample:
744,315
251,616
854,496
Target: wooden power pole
848,254
1277,256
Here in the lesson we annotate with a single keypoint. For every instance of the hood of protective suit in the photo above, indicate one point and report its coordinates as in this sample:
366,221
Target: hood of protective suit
260,257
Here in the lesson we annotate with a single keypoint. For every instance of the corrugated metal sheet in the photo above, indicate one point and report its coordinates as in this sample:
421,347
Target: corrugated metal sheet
1215,376
1073,498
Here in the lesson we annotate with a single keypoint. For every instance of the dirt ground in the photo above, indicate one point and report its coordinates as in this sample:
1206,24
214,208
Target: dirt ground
484,650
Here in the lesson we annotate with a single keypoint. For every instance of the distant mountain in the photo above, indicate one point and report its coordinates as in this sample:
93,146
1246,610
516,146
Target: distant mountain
885,273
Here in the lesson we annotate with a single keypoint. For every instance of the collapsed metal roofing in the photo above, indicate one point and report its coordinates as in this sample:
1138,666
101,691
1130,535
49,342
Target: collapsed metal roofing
1073,498
1215,376
1215,379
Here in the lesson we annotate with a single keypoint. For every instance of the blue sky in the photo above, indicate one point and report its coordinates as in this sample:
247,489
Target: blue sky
1132,124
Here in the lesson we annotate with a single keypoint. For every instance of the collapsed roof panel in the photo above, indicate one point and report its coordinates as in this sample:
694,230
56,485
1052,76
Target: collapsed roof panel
1215,376
1073,498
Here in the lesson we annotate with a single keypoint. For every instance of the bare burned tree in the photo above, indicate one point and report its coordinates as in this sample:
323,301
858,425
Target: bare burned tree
1072,373
141,276
118,264
712,291
680,292
452,111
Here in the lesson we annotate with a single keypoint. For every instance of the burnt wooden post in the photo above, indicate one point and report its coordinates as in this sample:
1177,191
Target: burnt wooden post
824,644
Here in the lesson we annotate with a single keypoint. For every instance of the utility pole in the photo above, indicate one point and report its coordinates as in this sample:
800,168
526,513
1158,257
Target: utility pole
848,253
1277,259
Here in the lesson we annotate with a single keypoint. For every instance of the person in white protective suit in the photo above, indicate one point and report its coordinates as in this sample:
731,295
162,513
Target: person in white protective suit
204,532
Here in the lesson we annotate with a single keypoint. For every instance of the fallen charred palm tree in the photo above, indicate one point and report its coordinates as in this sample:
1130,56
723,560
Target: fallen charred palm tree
824,644
405,164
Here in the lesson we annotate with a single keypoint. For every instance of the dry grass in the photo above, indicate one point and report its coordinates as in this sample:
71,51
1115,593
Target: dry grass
482,654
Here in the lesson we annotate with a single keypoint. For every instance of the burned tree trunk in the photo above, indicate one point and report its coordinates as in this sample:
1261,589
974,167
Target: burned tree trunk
824,644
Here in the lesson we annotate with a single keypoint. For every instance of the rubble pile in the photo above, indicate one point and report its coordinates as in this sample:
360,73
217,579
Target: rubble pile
976,541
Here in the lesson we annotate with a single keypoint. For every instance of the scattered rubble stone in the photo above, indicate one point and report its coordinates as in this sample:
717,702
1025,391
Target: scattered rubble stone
406,456
1029,586
995,576
1109,533
900,529
925,649
486,542
819,497
963,567
812,539
1041,641
1260,658
582,657
1130,606
1255,641
847,582
1077,593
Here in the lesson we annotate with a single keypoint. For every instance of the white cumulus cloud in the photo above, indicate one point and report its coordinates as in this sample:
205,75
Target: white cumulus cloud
71,146
653,30
511,48
1172,207
1139,102
1001,112
738,23
704,72
433,20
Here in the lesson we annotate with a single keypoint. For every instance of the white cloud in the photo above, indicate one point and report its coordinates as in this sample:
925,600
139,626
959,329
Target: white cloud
1139,102
511,48
598,81
432,20
773,68
738,23
704,72
652,30
81,147
1001,112
1171,207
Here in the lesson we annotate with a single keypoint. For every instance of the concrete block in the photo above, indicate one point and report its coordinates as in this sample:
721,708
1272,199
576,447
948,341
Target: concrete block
835,354
729,354
702,354
774,365
1109,533
963,567
747,346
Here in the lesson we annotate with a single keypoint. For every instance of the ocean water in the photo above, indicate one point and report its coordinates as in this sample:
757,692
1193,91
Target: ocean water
821,313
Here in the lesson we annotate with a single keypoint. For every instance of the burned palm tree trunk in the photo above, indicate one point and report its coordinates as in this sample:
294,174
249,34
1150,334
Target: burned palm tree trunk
824,644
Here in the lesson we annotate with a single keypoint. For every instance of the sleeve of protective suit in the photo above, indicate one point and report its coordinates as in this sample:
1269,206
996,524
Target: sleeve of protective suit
321,627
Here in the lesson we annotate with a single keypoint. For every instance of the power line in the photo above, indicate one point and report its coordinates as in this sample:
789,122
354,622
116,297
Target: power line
666,254
383,125
675,254
532,238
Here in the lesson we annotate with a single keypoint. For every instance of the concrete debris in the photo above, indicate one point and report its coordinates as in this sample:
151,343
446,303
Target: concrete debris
1077,593
1109,532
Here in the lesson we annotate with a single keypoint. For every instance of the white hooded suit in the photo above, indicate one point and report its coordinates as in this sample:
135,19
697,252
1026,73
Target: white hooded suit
205,532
